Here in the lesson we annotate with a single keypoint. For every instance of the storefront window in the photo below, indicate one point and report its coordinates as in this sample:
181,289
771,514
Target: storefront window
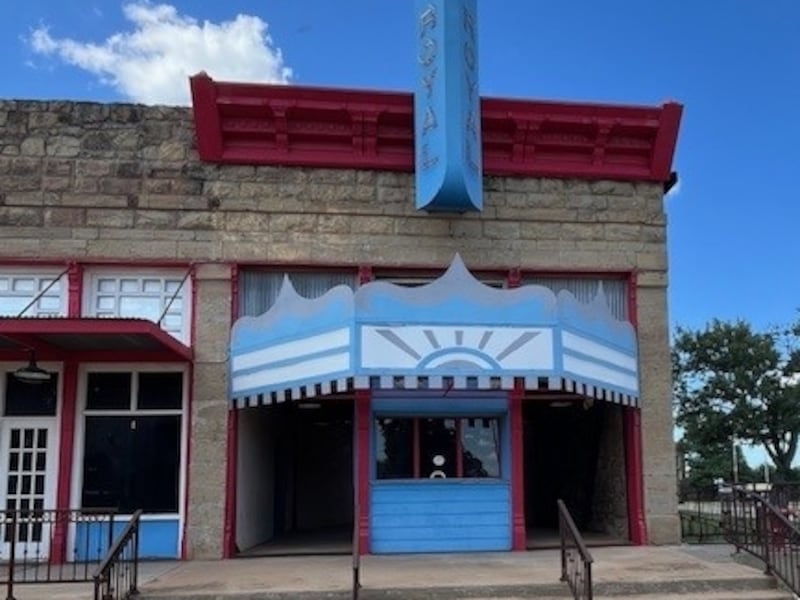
132,441
437,448
31,294
161,297
26,400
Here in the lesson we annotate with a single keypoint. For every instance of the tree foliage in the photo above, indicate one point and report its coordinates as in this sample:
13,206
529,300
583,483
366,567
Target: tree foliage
733,383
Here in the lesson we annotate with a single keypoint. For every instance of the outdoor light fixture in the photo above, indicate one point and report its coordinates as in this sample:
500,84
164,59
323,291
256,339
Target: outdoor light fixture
32,373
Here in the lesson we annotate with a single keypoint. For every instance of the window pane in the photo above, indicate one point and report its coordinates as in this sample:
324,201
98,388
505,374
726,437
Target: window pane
259,289
24,285
160,390
108,391
107,285
155,464
395,448
141,307
480,447
105,303
152,286
30,399
131,463
437,445
49,303
106,462
129,285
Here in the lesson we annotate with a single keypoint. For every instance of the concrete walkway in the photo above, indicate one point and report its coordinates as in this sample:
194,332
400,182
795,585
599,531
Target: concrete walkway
628,570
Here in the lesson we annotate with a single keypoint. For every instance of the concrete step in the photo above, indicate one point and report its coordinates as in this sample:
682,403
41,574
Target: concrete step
746,595
756,588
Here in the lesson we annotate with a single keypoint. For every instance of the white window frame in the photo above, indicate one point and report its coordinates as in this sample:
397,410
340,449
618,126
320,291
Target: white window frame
42,277
92,277
80,431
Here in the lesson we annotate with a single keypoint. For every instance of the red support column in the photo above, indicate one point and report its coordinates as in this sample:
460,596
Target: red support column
363,452
69,387
229,533
632,431
518,532
74,280
632,427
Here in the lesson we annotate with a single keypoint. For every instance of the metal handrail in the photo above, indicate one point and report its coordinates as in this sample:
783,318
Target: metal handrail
117,576
38,549
576,560
768,532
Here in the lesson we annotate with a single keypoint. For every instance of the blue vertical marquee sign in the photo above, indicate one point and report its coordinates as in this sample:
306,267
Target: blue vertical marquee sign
447,113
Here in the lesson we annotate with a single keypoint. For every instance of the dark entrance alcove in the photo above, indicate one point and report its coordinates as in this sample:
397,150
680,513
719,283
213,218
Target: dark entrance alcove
562,454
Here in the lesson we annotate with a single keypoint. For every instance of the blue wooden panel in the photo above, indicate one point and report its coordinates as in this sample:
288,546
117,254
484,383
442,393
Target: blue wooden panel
157,539
422,516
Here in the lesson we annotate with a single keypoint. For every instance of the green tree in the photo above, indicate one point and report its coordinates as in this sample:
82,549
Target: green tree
732,383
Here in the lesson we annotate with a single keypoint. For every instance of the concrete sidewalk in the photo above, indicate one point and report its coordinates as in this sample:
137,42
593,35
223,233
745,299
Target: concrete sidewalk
624,570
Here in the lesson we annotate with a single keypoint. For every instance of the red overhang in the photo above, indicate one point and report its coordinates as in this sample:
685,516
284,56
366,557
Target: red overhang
89,339
262,124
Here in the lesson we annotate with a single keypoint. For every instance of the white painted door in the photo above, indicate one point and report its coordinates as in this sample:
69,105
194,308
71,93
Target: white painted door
28,466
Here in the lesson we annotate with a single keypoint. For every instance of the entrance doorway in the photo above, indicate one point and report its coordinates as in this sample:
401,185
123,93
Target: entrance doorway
28,462
573,451
295,478
28,451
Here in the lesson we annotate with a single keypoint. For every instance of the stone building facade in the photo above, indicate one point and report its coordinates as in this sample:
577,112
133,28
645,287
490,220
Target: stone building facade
114,186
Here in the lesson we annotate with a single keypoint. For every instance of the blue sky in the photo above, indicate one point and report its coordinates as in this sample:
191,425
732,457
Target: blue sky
734,65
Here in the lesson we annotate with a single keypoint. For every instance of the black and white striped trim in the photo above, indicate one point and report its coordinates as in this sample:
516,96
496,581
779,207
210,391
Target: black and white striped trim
436,382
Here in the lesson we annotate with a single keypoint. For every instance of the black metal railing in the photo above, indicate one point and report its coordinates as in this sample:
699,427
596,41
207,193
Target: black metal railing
755,525
117,577
700,514
785,496
576,560
52,545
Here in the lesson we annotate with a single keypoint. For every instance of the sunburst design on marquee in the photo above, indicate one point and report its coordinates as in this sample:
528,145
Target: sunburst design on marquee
456,353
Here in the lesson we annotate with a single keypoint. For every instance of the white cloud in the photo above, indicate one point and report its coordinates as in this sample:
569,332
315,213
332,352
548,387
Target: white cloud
675,189
151,63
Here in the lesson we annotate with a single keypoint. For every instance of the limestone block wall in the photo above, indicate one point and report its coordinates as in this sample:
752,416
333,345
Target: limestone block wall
99,182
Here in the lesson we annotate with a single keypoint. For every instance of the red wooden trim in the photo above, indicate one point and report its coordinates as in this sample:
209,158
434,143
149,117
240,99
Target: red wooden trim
666,140
235,291
69,395
231,462
204,103
428,268
11,327
635,475
239,123
48,353
74,290
633,309
365,274
363,461
518,530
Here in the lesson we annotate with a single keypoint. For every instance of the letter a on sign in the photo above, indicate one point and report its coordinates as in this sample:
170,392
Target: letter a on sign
447,117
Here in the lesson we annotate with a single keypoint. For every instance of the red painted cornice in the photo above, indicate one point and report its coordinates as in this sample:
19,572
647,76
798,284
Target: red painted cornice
259,124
